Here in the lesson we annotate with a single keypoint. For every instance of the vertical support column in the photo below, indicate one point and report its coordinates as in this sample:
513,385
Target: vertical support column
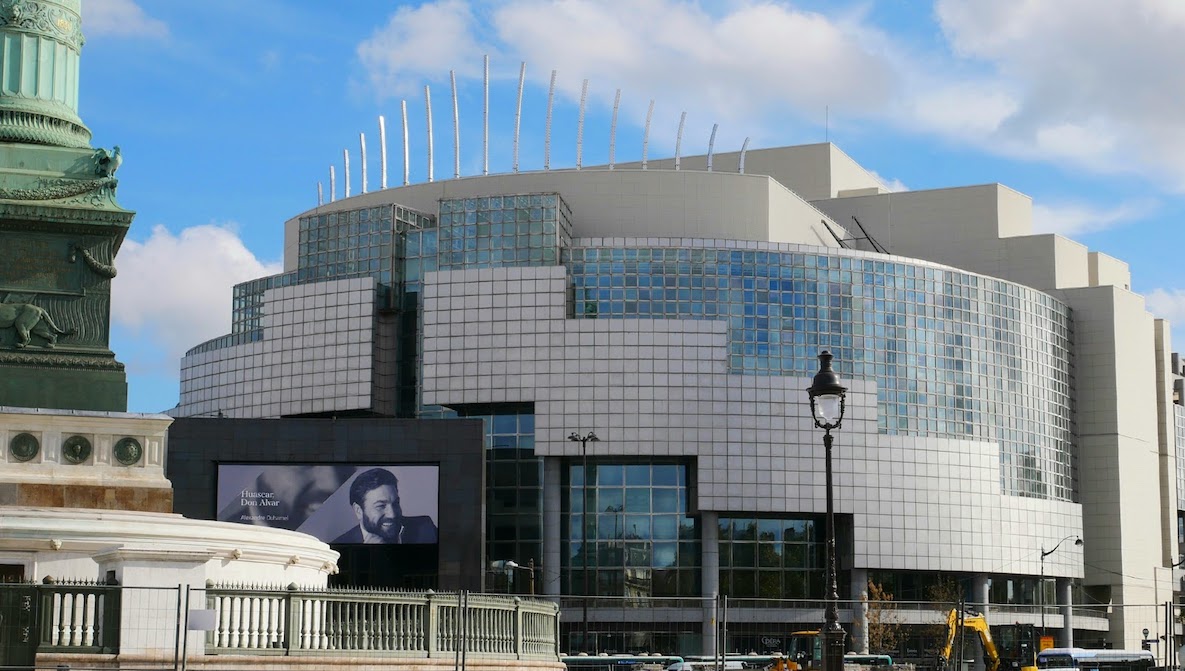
144,569
859,597
518,628
1065,600
552,502
432,626
710,566
979,593
292,626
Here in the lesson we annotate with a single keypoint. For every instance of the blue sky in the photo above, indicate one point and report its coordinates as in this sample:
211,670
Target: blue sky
229,113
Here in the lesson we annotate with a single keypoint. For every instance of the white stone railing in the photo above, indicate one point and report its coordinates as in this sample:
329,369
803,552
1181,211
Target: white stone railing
406,624
76,617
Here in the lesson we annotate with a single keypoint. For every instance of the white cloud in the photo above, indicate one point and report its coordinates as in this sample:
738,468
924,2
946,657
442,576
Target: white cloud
753,67
754,62
175,290
419,43
1071,219
964,110
1094,80
1081,83
1169,304
120,18
895,185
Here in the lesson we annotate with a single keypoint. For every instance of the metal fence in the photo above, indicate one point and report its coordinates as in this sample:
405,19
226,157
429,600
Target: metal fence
688,626
86,625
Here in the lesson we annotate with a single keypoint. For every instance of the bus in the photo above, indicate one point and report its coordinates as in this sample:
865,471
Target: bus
729,662
867,660
708,665
603,662
1079,659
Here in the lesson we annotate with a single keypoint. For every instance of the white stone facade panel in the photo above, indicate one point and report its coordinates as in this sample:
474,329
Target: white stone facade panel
102,430
661,388
315,356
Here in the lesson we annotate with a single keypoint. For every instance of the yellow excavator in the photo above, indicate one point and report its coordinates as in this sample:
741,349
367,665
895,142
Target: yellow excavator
977,623
1021,653
805,653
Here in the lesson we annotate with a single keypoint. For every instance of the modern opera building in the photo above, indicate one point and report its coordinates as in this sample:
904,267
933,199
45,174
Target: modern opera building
1007,392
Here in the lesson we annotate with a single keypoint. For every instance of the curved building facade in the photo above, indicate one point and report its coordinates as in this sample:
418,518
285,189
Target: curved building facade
1006,390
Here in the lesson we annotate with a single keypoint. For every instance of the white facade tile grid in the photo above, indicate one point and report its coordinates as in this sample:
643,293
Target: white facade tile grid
312,334
756,448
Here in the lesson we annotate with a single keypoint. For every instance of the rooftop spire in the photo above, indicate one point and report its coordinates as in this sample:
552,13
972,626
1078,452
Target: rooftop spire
40,45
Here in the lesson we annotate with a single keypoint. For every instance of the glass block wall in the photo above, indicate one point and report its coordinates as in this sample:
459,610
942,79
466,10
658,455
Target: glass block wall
503,231
953,354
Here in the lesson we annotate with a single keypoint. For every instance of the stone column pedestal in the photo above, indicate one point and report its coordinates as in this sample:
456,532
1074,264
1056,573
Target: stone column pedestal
157,586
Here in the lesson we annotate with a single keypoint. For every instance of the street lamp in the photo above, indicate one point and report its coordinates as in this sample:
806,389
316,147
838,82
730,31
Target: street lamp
584,441
1045,553
827,397
530,569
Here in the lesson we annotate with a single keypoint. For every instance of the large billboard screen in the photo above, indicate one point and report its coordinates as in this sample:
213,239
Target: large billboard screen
337,504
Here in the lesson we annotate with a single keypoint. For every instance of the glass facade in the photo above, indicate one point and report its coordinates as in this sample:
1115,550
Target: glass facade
953,354
1179,443
778,558
503,231
355,243
514,489
641,542
928,585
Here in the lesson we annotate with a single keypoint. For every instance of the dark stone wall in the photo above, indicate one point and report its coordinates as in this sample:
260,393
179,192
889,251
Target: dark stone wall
197,445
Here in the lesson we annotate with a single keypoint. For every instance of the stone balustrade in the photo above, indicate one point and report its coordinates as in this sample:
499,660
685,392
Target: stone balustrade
384,623
305,622
74,616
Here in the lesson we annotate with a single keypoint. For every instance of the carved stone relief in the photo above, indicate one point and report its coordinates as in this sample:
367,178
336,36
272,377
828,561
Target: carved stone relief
30,320
128,451
43,18
24,446
76,449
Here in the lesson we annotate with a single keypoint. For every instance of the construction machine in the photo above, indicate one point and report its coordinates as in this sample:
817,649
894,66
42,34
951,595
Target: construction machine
805,651
1019,652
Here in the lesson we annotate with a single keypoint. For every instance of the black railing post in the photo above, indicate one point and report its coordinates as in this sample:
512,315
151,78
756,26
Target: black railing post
292,608
112,614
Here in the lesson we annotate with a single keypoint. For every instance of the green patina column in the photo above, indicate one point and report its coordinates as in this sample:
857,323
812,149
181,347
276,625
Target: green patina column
60,225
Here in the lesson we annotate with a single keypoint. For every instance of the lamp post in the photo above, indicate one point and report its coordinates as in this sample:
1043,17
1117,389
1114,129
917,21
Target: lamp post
584,441
1045,553
530,569
827,398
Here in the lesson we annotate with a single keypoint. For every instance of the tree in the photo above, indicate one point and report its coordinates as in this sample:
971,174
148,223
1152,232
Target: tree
944,594
884,625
